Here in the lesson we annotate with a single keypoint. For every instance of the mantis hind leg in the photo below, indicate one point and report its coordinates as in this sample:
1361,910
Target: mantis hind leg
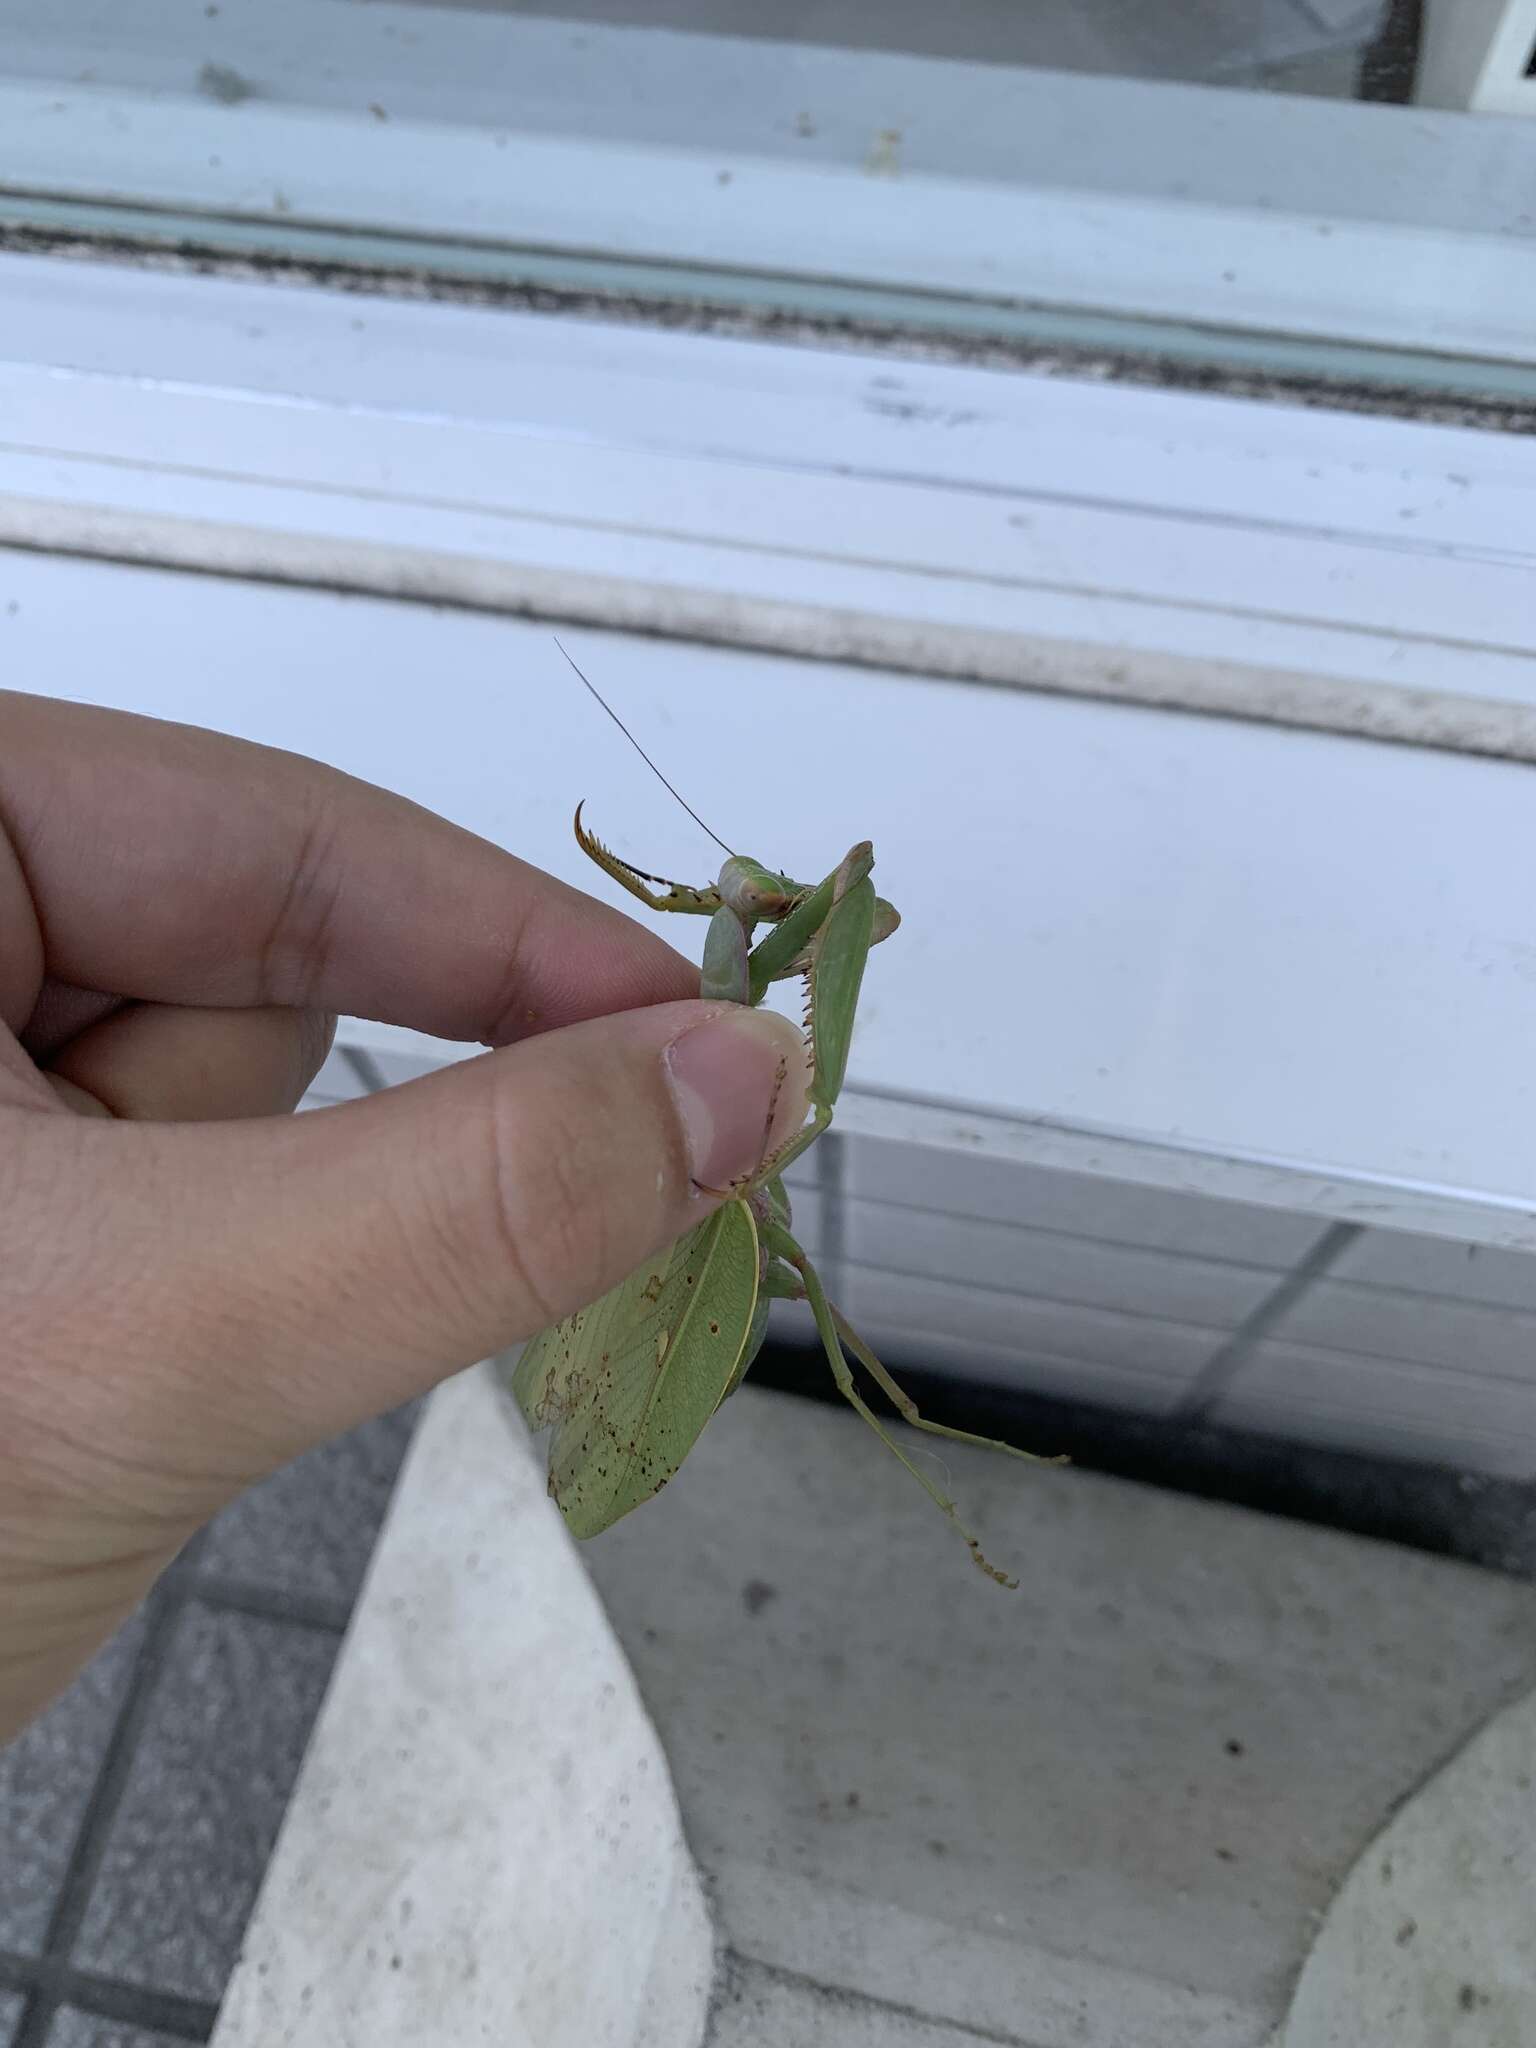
907,1407
827,1326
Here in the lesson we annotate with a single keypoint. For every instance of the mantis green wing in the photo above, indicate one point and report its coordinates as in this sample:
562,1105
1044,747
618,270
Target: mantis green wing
630,1382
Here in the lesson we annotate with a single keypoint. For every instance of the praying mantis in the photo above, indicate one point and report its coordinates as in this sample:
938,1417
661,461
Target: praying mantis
629,1383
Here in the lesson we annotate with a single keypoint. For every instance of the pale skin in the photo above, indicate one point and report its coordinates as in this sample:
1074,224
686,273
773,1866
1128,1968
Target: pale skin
196,1286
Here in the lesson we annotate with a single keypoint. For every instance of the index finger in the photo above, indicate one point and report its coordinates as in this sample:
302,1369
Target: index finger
175,865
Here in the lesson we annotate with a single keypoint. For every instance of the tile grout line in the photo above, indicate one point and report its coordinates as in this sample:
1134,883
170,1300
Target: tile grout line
163,1608
1095,1240
1223,1366
50,1981
109,1998
1004,1293
365,1067
293,1610
733,1959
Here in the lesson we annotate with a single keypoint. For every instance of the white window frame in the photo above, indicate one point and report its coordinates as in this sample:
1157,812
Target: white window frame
848,513
1477,54
962,194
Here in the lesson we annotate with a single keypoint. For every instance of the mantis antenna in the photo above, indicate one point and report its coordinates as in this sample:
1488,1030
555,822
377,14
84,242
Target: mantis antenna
645,757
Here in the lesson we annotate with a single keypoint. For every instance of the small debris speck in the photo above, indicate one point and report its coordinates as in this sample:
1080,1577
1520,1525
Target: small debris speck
223,83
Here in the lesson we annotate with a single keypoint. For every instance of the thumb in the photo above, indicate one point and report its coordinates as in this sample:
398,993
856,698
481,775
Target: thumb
202,1302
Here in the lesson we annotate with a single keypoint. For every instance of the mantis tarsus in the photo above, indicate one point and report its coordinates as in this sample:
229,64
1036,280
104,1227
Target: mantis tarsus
630,1382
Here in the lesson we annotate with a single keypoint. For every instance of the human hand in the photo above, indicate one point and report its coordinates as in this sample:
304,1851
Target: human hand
196,1286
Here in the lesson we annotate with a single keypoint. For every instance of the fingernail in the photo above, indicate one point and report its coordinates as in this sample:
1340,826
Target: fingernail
740,1083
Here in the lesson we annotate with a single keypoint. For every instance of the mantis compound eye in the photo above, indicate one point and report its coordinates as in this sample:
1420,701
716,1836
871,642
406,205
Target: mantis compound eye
753,891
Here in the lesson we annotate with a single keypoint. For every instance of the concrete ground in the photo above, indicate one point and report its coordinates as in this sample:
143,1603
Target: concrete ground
799,1776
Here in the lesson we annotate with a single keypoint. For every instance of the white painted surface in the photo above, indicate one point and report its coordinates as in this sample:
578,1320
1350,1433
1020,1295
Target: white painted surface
1242,940
1478,54
483,1845
981,181
1317,569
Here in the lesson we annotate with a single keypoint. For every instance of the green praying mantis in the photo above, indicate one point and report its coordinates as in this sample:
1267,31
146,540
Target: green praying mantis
629,1383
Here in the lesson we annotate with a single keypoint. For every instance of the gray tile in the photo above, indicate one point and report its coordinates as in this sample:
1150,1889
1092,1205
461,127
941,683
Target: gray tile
1459,1337
1053,1198
808,1218
310,1529
1013,1258
1094,1381
906,1351
1387,1406
1486,1274
209,1783
936,1314
46,1778
75,2029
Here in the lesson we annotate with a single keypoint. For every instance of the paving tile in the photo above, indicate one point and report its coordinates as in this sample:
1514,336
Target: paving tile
936,1315
807,1218
1053,1198
222,1743
1379,1322
1394,1408
908,1352
1216,1293
46,1778
1434,1265
309,1530
75,2029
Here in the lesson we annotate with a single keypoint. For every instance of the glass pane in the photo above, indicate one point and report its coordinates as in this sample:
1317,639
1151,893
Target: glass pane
1284,45
1330,187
